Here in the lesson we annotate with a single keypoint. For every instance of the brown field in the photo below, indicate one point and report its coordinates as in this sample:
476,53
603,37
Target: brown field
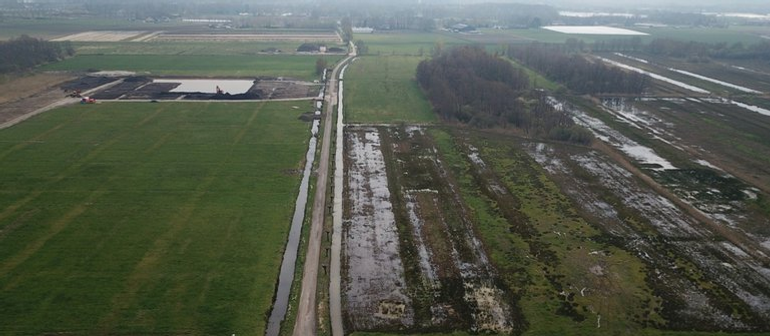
101,36
249,37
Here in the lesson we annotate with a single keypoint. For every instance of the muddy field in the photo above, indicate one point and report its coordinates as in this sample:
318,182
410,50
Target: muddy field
576,238
412,258
702,277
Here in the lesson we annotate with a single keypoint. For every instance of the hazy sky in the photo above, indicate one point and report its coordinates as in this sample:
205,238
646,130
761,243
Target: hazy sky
725,5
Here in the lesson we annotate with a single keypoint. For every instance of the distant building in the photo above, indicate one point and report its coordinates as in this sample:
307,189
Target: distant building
462,28
362,30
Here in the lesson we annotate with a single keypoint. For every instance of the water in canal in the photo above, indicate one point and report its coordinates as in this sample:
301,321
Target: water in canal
290,255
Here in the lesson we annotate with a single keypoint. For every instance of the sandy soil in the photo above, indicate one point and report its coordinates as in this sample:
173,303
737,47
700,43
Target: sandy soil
100,36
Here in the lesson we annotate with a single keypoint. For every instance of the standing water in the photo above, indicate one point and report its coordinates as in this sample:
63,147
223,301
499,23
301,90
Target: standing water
290,255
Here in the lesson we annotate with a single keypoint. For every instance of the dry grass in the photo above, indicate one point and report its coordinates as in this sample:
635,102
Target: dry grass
15,88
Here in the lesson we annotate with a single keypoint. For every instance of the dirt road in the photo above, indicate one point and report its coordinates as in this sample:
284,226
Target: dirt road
335,295
306,323
55,104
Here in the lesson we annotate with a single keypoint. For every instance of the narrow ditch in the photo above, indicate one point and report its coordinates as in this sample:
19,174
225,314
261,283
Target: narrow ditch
286,276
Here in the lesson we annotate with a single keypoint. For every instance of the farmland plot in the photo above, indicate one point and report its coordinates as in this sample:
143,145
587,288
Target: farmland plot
141,219
425,230
732,206
703,280
728,210
727,71
374,284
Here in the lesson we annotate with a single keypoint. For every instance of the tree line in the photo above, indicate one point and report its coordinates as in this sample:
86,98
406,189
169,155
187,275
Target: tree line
576,72
468,85
722,50
24,53
691,50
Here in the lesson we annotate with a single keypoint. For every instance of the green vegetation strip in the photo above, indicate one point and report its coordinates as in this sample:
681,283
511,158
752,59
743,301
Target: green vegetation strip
185,48
382,89
300,66
419,44
146,219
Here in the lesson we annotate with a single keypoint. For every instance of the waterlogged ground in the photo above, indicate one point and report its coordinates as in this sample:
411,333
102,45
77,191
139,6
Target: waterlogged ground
661,224
699,168
375,291
698,219
489,233
698,273
412,259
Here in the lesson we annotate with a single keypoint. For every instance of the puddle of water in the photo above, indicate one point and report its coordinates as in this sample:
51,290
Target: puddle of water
375,272
231,86
633,58
709,79
752,108
656,76
708,165
646,155
417,224
286,276
642,154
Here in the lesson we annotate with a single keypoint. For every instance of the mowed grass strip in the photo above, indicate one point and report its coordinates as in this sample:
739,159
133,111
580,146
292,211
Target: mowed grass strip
146,218
382,89
295,66
210,48
408,43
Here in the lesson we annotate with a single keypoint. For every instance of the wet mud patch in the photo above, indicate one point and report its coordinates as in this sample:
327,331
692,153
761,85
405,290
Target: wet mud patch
375,293
704,281
450,283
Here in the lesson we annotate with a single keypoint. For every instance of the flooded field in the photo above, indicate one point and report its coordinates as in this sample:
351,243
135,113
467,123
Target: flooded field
231,86
375,288
718,274
411,234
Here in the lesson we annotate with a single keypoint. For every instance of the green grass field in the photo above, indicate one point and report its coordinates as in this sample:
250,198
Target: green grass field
382,89
709,35
51,27
302,67
146,218
182,48
407,43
